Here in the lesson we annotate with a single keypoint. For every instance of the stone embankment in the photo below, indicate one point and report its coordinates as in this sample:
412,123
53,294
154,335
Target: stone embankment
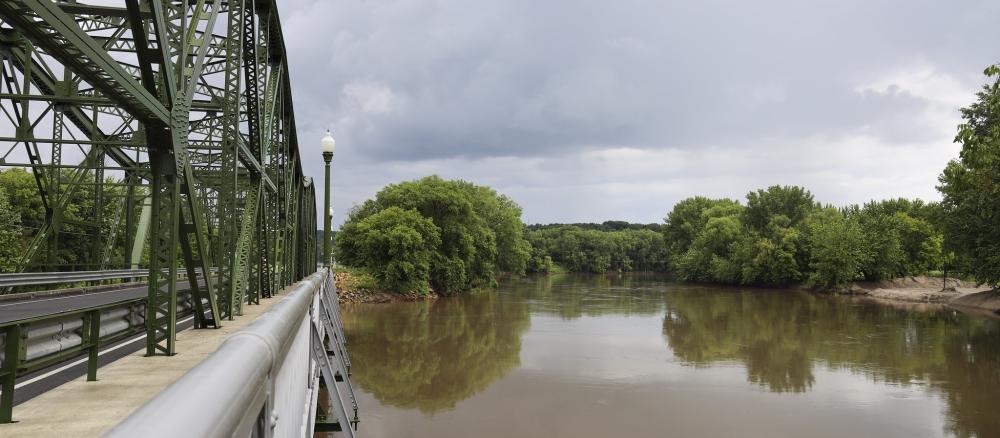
350,290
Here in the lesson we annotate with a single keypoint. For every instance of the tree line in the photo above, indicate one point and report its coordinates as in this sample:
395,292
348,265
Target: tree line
81,239
782,236
595,248
779,236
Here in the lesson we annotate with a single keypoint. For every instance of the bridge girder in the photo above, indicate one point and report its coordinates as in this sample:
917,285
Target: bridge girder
191,103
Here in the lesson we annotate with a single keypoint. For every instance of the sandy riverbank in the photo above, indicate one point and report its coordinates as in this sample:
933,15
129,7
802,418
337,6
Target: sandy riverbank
916,289
962,295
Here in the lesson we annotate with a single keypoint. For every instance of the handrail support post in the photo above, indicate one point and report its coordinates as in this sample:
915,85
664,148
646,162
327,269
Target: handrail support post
94,320
11,357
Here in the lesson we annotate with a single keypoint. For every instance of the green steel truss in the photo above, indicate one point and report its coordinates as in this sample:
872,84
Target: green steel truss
186,108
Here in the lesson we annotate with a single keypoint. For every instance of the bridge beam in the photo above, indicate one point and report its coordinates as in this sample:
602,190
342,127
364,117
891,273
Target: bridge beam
200,131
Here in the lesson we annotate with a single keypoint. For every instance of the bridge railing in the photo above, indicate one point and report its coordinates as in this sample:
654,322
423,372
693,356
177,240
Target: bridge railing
34,343
8,281
263,381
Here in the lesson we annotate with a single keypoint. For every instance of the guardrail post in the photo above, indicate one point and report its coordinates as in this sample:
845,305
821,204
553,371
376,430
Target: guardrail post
94,320
11,357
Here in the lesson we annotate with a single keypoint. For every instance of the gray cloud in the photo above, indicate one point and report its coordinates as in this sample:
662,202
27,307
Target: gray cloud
530,94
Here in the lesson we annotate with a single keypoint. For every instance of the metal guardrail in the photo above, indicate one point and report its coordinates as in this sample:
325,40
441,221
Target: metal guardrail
42,278
263,381
34,343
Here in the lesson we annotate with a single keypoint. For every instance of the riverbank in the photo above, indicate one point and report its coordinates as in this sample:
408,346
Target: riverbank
357,287
983,303
919,289
958,294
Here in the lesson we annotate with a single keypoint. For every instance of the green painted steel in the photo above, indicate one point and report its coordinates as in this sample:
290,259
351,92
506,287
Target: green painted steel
177,120
15,351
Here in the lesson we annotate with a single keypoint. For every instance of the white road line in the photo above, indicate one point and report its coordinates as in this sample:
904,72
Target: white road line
80,361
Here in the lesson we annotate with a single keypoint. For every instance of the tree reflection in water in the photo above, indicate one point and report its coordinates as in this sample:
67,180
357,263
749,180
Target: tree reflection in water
780,336
431,355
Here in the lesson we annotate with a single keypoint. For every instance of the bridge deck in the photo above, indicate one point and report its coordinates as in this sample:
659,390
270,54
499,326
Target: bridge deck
82,409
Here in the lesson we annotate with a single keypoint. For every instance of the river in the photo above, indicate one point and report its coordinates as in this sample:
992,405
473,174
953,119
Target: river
600,356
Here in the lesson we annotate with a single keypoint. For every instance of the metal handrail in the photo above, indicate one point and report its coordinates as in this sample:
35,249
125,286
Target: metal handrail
222,395
232,392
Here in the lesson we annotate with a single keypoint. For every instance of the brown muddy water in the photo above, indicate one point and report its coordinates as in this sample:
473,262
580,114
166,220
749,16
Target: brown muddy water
603,356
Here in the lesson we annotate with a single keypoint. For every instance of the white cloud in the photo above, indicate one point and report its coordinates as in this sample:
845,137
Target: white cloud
369,97
586,111
924,82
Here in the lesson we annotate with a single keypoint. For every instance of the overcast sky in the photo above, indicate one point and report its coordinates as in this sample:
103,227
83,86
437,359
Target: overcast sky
593,110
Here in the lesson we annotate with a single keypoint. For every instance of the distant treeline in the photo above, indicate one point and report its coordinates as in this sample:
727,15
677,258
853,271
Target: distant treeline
454,236
783,236
780,236
596,248
603,226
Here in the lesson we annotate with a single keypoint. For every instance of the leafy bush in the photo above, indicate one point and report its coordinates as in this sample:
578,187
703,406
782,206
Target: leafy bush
396,246
836,249
478,232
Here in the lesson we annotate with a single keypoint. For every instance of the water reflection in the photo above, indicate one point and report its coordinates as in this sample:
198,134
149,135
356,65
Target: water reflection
574,296
781,336
431,355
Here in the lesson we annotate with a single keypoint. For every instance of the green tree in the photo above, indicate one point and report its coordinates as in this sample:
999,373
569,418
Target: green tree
597,250
685,222
921,244
771,258
480,231
503,216
80,235
709,258
970,188
10,234
836,250
792,202
396,246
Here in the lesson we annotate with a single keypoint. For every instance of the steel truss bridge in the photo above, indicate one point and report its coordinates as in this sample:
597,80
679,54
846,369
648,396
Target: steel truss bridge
184,109
187,107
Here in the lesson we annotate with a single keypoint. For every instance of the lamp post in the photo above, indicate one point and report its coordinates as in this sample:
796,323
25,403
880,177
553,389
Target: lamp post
327,144
329,239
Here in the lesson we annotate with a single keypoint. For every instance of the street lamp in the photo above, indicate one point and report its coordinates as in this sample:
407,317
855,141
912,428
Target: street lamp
327,144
